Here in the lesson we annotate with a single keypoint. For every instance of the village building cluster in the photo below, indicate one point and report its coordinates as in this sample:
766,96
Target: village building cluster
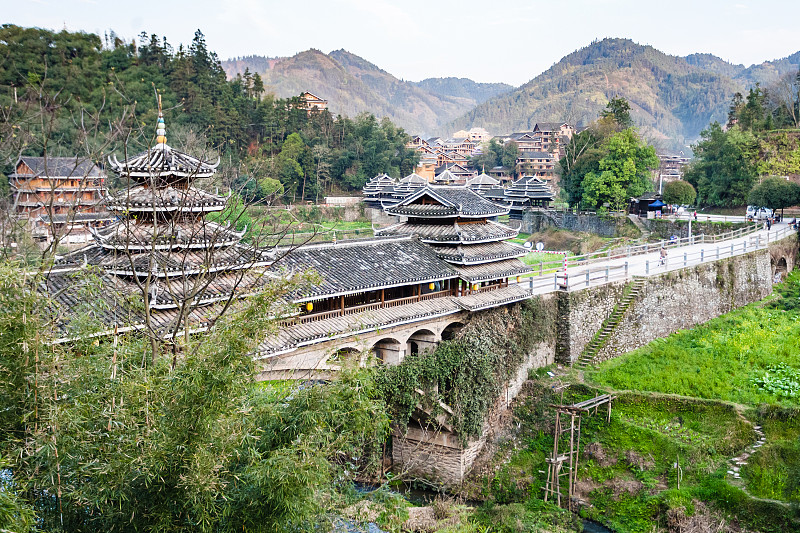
448,160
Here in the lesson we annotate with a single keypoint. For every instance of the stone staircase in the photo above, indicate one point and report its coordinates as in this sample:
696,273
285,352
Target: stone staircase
632,291
638,223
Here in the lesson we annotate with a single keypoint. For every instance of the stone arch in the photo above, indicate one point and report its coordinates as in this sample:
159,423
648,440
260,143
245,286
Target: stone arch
451,330
344,355
389,351
421,341
780,266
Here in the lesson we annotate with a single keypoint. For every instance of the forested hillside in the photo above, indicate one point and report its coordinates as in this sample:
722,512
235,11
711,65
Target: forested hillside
672,98
464,88
72,93
353,85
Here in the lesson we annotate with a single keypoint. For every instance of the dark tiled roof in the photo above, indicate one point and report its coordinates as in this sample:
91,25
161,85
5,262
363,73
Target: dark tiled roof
450,202
491,271
365,265
140,198
118,302
484,231
496,298
547,126
482,179
167,263
163,161
61,167
479,253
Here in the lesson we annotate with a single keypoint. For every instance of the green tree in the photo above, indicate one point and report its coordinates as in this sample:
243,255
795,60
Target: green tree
490,156
619,110
774,193
679,192
288,165
510,154
582,155
103,439
624,171
724,168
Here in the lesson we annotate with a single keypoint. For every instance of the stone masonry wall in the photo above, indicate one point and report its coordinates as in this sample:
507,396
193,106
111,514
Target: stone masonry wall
440,456
675,300
534,221
580,315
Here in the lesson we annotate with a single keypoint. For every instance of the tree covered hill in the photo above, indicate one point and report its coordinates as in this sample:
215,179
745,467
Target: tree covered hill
352,85
464,88
672,98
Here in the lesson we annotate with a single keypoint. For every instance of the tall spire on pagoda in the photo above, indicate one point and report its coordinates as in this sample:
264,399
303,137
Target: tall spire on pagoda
161,128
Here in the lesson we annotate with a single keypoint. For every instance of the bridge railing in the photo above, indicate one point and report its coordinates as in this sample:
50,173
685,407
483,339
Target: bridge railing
550,267
575,278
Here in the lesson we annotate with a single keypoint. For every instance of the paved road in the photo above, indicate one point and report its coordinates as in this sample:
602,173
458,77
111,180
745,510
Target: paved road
649,264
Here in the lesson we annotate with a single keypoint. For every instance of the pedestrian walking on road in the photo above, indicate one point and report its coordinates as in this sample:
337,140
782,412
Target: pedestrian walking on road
663,260
769,223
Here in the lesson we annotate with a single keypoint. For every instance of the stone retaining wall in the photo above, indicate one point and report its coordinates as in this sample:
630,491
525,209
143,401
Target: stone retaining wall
535,221
675,300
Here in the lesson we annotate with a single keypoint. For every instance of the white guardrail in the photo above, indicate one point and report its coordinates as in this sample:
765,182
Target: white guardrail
577,272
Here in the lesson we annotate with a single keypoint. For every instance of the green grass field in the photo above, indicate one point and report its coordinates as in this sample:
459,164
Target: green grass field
749,356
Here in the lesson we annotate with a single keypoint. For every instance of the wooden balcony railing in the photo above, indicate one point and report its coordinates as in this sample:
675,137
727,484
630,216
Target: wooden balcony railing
314,317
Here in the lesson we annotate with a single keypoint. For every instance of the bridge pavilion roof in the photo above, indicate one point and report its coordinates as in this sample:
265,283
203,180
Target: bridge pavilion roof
361,265
451,232
434,201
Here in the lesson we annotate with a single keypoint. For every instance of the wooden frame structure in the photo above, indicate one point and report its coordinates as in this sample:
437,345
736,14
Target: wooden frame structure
557,461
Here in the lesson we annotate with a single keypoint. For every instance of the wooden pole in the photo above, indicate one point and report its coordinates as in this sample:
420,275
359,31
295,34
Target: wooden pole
343,305
577,455
571,457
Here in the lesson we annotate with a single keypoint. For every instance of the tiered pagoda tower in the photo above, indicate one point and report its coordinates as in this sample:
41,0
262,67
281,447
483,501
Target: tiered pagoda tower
528,191
164,239
457,223
379,191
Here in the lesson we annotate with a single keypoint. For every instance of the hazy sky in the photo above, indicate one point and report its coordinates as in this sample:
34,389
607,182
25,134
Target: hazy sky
506,40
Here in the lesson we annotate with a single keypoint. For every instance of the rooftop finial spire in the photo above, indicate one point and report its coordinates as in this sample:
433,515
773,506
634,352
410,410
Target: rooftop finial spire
161,128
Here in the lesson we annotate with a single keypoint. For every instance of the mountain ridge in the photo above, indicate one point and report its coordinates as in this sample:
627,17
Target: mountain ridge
672,97
352,84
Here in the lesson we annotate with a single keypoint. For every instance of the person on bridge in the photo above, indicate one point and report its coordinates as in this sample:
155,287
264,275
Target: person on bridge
663,260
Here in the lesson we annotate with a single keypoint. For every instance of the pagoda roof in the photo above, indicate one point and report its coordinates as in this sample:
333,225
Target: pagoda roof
163,161
117,303
471,254
529,187
414,178
163,264
482,179
360,265
446,202
141,198
475,232
507,268
175,235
